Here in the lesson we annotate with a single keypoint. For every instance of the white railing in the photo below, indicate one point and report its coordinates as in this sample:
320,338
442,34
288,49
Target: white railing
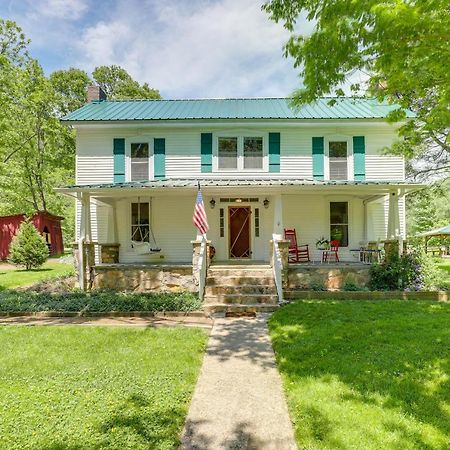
277,267
202,268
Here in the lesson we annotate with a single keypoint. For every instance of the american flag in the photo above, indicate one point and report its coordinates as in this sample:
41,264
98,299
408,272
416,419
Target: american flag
200,220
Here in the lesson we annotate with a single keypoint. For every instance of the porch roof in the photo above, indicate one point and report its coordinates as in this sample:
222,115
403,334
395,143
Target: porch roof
369,187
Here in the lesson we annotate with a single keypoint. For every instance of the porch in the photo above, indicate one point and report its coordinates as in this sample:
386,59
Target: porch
245,216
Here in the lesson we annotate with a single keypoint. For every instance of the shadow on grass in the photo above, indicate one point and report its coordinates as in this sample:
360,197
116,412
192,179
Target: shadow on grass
396,350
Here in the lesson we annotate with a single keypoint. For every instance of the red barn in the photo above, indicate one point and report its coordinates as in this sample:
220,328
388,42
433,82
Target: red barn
47,224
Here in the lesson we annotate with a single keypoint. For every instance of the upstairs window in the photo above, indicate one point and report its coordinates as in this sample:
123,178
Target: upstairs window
240,153
339,223
228,153
253,153
139,162
337,158
140,222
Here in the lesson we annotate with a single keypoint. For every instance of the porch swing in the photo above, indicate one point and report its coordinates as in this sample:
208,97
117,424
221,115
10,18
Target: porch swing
143,239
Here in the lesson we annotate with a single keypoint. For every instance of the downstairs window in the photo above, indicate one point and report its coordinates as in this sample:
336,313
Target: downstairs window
339,223
140,222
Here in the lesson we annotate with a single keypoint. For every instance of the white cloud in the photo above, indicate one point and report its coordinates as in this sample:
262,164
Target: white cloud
58,9
195,48
222,48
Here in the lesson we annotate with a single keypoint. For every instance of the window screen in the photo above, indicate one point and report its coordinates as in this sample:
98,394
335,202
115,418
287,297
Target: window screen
139,162
338,160
253,153
228,152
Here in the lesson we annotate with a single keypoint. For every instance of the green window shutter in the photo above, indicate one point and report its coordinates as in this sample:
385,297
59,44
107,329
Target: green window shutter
159,156
119,160
318,158
206,152
274,152
359,158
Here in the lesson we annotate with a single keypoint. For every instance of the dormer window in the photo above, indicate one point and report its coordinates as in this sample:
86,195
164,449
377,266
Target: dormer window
241,153
337,160
139,158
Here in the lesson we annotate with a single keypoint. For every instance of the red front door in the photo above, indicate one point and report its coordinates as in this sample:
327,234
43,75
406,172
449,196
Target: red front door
239,231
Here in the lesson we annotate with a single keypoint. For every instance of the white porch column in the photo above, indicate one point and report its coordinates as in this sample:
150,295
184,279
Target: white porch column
393,226
85,218
278,227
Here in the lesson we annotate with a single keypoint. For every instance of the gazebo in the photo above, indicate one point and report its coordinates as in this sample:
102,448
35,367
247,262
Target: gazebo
438,232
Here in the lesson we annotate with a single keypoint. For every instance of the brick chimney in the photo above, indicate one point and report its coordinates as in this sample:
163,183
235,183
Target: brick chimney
95,94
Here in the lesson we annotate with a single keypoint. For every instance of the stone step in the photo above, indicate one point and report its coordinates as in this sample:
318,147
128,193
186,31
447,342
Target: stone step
239,281
240,266
239,272
241,299
239,309
240,289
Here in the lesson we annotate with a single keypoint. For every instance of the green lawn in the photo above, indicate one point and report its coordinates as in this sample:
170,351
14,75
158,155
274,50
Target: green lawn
366,375
12,278
74,387
444,264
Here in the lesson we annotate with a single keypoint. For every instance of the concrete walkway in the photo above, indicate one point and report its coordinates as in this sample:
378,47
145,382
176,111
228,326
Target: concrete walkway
238,402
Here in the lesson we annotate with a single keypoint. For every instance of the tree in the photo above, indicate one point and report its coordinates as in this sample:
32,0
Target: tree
28,247
118,84
70,88
402,48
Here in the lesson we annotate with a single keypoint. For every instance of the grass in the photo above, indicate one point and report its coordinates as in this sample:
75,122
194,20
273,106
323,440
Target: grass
366,375
97,301
96,387
12,278
444,264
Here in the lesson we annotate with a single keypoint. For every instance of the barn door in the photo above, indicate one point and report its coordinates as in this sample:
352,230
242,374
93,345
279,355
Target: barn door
239,232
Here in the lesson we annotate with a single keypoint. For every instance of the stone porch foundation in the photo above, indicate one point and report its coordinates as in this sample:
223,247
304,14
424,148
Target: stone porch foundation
144,277
331,277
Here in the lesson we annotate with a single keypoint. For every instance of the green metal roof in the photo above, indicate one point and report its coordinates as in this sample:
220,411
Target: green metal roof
239,108
231,182
436,232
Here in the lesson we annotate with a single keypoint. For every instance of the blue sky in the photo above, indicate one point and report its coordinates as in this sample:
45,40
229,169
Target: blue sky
184,48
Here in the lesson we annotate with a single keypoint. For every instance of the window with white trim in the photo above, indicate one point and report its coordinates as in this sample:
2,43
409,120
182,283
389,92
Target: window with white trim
339,223
337,160
139,160
140,222
227,153
245,152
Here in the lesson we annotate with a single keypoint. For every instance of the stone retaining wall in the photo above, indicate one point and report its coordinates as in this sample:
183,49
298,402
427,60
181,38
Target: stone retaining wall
144,278
322,276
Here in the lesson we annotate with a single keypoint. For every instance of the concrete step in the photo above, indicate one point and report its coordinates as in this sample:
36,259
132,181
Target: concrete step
239,272
241,299
239,281
240,289
250,308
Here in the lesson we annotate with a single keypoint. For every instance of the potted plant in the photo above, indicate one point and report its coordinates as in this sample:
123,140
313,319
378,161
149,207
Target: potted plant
322,244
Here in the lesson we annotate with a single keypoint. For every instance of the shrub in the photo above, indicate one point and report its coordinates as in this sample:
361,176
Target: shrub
28,248
98,301
410,272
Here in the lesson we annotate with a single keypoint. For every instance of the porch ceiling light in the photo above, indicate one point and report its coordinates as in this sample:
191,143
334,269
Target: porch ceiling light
238,200
266,203
212,203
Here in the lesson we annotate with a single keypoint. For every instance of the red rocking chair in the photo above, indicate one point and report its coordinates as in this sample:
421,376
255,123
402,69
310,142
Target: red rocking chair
297,253
332,252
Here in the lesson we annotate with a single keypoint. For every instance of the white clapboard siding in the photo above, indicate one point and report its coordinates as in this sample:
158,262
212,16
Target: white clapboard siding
171,224
296,166
386,168
95,161
378,216
309,215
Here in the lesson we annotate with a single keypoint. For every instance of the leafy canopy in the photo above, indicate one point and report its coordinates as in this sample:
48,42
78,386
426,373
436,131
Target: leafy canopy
402,47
